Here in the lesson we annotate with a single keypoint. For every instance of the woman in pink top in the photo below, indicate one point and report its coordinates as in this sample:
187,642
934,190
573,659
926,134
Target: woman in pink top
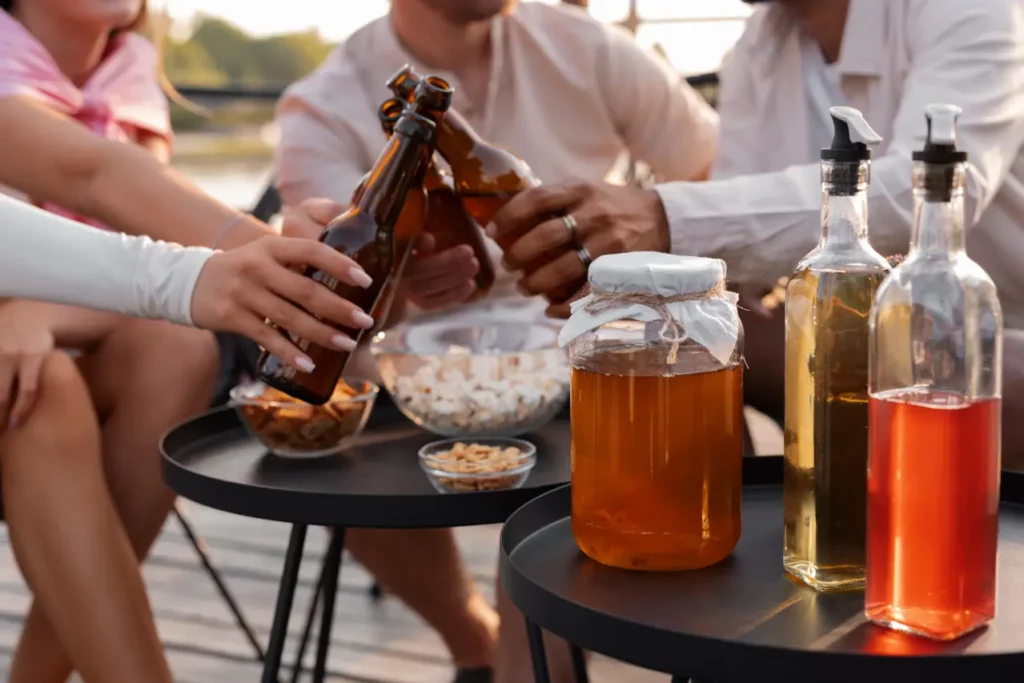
86,134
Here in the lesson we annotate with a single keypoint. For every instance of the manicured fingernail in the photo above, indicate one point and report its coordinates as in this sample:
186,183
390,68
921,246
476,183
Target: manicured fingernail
362,320
305,364
491,229
360,277
344,343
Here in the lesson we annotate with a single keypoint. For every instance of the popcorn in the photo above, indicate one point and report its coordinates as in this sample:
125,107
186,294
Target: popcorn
484,394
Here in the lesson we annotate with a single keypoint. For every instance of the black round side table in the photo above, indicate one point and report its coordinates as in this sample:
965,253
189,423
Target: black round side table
743,620
213,461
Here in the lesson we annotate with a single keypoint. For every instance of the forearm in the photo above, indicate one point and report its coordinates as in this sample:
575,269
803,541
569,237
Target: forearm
135,193
44,257
72,327
761,225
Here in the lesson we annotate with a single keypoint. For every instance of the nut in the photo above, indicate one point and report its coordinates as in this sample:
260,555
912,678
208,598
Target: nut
476,458
288,425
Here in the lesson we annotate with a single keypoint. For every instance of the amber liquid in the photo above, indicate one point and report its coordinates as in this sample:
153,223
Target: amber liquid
826,430
656,465
450,224
483,205
377,258
408,228
933,511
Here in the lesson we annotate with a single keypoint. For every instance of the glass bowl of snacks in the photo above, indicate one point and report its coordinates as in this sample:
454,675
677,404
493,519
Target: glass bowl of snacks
480,464
459,379
293,429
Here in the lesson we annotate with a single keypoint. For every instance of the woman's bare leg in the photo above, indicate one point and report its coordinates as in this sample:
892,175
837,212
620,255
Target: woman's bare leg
512,663
425,570
146,377
71,546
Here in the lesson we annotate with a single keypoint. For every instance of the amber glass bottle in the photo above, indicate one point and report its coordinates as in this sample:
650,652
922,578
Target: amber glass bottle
447,219
486,176
410,222
366,233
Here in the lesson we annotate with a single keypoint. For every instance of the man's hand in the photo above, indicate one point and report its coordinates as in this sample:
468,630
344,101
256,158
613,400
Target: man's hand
433,281
310,218
609,219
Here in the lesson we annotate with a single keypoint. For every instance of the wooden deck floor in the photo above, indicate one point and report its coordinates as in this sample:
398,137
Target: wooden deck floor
372,642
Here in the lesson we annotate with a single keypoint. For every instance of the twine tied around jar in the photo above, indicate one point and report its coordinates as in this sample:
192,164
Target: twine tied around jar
672,330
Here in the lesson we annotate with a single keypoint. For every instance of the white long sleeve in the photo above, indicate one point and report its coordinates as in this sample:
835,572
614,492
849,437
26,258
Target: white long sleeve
760,212
48,258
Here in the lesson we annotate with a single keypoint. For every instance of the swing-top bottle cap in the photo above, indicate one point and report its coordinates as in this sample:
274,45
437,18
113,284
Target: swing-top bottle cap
853,137
940,145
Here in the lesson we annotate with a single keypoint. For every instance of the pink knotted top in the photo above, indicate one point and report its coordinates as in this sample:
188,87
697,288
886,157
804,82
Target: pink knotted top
121,99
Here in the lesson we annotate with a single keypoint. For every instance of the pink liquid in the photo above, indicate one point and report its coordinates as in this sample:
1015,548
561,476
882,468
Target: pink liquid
933,510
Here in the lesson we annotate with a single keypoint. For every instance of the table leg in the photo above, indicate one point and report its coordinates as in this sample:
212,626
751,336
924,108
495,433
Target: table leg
285,598
579,664
332,569
537,653
314,604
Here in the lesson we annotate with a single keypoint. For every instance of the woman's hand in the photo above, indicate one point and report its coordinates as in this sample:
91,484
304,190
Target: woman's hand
24,342
239,289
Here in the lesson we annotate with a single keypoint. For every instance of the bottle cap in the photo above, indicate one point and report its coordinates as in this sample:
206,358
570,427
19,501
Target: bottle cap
852,138
940,145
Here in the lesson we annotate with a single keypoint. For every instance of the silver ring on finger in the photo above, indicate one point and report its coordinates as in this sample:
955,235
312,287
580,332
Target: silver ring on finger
570,224
585,257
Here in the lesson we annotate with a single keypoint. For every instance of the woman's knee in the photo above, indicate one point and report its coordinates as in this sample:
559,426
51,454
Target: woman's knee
154,358
62,415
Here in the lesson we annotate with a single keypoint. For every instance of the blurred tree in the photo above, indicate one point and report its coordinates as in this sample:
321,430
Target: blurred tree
190,63
282,59
219,53
228,47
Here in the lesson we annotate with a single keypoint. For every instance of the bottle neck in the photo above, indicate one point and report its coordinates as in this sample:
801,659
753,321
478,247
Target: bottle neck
399,167
844,205
938,210
455,137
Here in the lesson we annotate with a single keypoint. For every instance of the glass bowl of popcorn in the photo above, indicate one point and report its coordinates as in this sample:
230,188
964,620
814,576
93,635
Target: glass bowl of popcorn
291,428
459,379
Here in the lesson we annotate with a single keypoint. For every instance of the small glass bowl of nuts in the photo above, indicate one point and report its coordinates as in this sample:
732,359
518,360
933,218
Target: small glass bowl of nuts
478,464
292,428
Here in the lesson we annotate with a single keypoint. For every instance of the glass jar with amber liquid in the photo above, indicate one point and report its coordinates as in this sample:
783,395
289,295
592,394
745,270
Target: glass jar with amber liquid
657,413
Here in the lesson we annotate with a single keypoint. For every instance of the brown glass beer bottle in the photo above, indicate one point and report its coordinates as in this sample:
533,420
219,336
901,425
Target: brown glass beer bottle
366,233
486,176
410,222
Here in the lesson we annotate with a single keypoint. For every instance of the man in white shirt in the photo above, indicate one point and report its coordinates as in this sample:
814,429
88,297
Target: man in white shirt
569,95
760,210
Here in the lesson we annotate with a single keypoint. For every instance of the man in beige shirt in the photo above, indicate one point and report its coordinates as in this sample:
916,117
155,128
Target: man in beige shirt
568,94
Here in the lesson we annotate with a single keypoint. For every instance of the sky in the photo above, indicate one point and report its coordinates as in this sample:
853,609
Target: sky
692,48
